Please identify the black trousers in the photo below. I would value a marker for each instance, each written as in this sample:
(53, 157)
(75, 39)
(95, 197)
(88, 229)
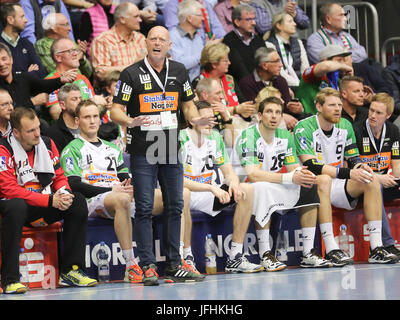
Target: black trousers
(16, 213)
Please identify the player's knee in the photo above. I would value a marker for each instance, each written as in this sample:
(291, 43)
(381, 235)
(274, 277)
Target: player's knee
(186, 196)
(248, 189)
(324, 183)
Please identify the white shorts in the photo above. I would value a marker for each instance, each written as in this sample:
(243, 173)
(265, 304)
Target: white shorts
(97, 210)
(203, 201)
(338, 195)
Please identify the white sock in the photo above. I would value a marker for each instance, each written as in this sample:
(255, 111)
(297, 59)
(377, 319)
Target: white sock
(375, 233)
(263, 241)
(129, 257)
(187, 252)
(327, 235)
(308, 239)
(235, 249)
(181, 249)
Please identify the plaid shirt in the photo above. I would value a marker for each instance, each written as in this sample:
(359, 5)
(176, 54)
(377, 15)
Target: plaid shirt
(111, 50)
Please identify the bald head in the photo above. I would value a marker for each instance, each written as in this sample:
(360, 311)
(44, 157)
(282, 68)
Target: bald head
(158, 44)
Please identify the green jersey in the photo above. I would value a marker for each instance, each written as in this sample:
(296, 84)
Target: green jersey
(97, 165)
(332, 150)
(252, 149)
(199, 162)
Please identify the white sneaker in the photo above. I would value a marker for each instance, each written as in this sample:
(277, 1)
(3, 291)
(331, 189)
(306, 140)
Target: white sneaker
(313, 260)
(270, 263)
(241, 264)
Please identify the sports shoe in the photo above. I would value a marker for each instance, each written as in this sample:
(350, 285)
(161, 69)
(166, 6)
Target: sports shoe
(133, 274)
(270, 263)
(76, 277)
(15, 288)
(188, 264)
(150, 276)
(338, 258)
(181, 274)
(314, 260)
(380, 255)
(241, 264)
(393, 249)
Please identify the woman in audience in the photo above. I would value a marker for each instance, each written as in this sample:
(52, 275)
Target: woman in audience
(290, 48)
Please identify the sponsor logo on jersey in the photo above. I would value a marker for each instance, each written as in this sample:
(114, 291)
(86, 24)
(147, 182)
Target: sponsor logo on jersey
(187, 88)
(303, 142)
(366, 147)
(204, 178)
(69, 164)
(157, 102)
(126, 92)
(146, 80)
(3, 164)
(117, 88)
(395, 148)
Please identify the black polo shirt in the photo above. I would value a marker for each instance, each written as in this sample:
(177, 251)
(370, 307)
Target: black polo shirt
(380, 162)
(140, 93)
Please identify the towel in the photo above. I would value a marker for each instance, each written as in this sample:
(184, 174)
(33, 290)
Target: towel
(43, 169)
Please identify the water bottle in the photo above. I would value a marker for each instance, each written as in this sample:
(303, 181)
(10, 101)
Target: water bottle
(211, 262)
(103, 264)
(281, 249)
(344, 239)
(23, 268)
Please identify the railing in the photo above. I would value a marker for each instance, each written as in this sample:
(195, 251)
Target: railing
(352, 8)
(385, 47)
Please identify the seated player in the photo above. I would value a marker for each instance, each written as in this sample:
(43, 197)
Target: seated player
(94, 168)
(324, 142)
(263, 150)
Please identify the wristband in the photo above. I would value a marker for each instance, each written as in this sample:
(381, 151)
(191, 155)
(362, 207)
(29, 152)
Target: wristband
(343, 173)
(287, 178)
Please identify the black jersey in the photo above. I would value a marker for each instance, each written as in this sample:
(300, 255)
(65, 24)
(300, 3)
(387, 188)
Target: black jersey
(139, 92)
(378, 160)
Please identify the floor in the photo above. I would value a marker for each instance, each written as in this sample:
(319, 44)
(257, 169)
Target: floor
(358, 282)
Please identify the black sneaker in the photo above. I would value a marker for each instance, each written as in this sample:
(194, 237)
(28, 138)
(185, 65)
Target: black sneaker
(393, 249)
(380, 255)
(338, 258)
(181, 274)
(150, 276)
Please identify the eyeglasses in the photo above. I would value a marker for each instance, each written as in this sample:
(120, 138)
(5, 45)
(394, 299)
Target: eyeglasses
(69, 51)
(6, 104)
(274, 61)
(63, 24)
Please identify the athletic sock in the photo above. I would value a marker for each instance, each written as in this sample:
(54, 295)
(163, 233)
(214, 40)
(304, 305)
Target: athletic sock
(187, 252)
(327, 235)
(235, 249)
(129, 257)
(263, 241)
(308, 239)
(375, 233)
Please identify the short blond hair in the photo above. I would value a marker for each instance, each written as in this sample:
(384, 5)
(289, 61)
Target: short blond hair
(326, 92)
(264, 94)
(386, 99)
(213, 53)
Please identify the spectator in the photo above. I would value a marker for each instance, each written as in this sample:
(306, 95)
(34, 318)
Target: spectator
(257, 149)
(122, 45)
(215, 62)
(324, 74)
(223, 10)
(199, 144)
(25, 89)
(391, 75)
(38, 197)
(149, 164)
(291, 49)
(333, 22)
(110, 197)
(66, 56)
(56, 26)
(242, 42)
(65, 129)
(323, 142)
(383, 158)
(187, 42)
(24, 55)
(266, 9)
(212, 27)
(6, 107)
(267, 73)
(96, 20)
(36, 11)
(353, 95)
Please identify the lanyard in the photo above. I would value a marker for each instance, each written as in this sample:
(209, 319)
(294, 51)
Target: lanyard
(155, 76)
(372, 138)
(287, 59)
(327, 39)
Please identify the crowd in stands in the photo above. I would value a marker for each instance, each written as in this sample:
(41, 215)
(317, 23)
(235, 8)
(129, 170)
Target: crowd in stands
(277, 102)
